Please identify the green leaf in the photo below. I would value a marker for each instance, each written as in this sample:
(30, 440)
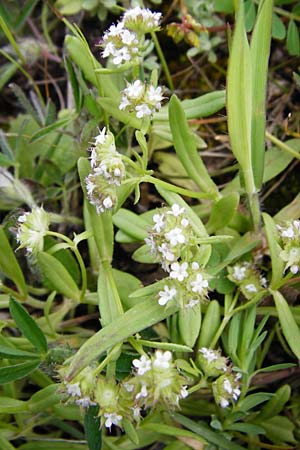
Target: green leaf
(16, 372)
(54, 126)
(5, 444)
(189, 323)
(10, 266)
(141, 316)
(28, 326)
(56, 273)
(275, 249)
(210, 325)
(112, 107)
(143, 255)
(207, 433)
(279, 429)
(253, 400)
(92, 428)
(101, 225)
(11, 405)
(186, 149)
(131, 223)
(246, 428)
(288, 323)
(239, 99)
(110, 305)
(14, 353)
(293, 39)
(275, 405)
(260, 50)
(222, 212)
(130, 431)
(278, 28)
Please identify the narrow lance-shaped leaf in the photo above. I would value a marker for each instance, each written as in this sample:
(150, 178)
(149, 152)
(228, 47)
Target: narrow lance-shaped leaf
(185, 147)
(260, 51)
(9, 264)
(110, 305)
(59, 277)
(288, 323)
(28, 326)
(16, 372)
(239, 99)
(141, 316)
(102, 225)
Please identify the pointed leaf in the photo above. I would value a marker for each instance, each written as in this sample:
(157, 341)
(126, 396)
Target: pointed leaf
(16, 372)
(92, 428)
(28, 326)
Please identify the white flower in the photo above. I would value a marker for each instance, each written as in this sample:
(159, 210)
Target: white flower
(150, 241)
(294, 269)
(176, 210)
(107, 203)
(179, 271)
(85, 402)
(227, 386)
(32, 229)
(195, 265)
(251, 288)
(166, 295)
(200, 284)
(239, 272)
(166, 252)
(236, 393)
(134, 90)
(142, 110)
(142, 365)
(193, 302)
(73, 390)
(112, 419)
(159, 222)
(162, 359)
(136, 412)
(224, 403)
(101, 138)
(115, 30)
(143, 393)
(128, 387)
(184, 223)
(209, 354)
(184, 392)
(288, 233)
(175, 236)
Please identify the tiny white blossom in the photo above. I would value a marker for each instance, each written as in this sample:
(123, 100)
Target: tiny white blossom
(136, 412)
(112, 419)
(294, 269)
(184, 222)
(142, 365)
(193, 302)
(85, 402)
(239, 272)
(142, 110)
(179, 271)
(73, 390)
(159, 221)
(175, 236)
(166, 252)
(107, 203)
(227, 386)
(128, 387)
(176, 210)
(183, 392)
(236, 393)
(200, 284)
(162, 359)
(143, 393)
(195, 265)
(101, 138)
(209, 354)
(166, 295)
(251, 288)
(288, 233)
(224, 403)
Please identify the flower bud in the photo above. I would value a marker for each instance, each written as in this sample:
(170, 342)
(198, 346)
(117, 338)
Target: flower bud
(211, 362)
(226, 389)
(33, 226)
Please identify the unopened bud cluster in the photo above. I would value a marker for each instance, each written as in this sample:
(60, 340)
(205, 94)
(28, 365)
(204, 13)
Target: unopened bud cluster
(156, 381)
(108, 172)
(290, 237)
(245, 275)
(173, 242)
(226, 386)
(32, 227)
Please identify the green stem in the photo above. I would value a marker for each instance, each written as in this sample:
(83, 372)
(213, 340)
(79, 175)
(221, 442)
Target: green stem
(252, 199)
(288, 14)
(282, 145)
(76, 252)
(163, 61)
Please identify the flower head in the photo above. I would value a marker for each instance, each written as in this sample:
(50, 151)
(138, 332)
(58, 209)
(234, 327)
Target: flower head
(166, 295)
(143, 99)
(141, 19)
(142, 365)
(33, 226)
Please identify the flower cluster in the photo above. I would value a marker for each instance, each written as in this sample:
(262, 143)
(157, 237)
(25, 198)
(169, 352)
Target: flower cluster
(143, 99)
(155, 381)
(226, 387)
(172, 241)
(33, 226)
(290, 237)
(245, 276)
(124, 42)
(108, 172)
